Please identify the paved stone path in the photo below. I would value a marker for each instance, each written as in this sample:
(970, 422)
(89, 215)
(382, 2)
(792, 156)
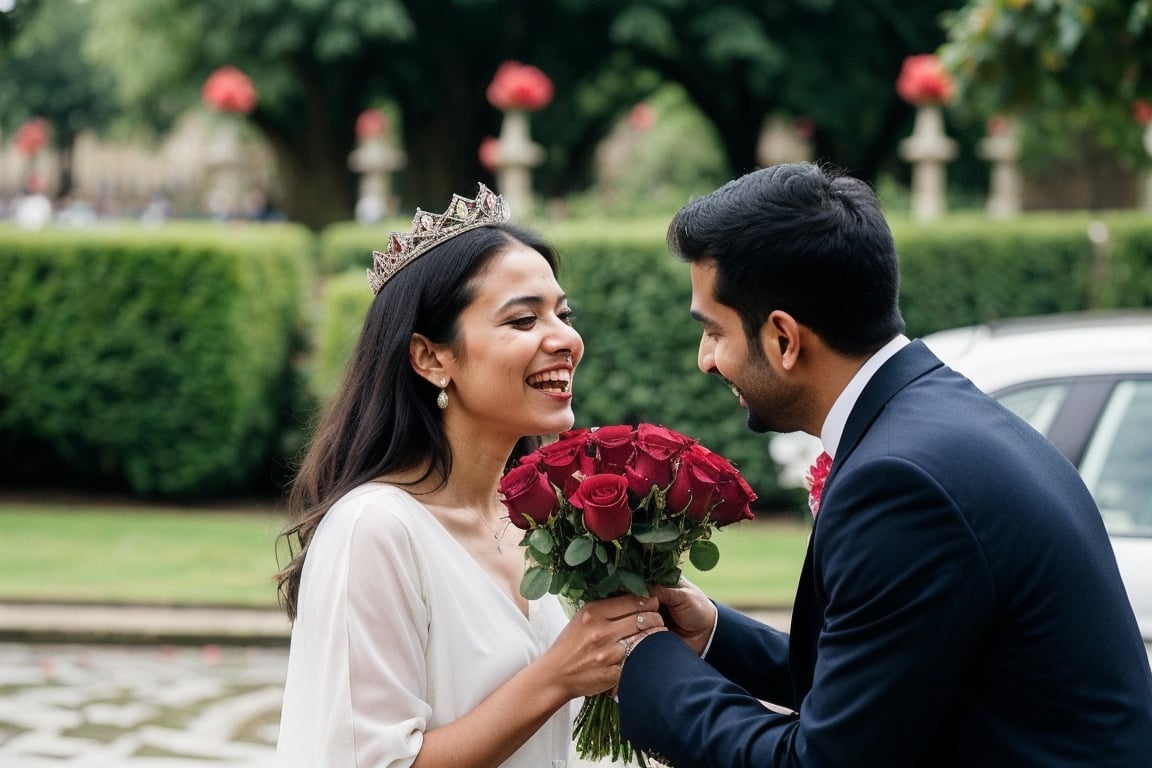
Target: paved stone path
(139, 706)
(144, 706)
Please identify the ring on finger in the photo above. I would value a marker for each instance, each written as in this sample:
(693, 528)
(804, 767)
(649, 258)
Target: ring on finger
(640, 620)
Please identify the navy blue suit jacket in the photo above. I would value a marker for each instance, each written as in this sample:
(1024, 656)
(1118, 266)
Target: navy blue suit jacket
(959, 605)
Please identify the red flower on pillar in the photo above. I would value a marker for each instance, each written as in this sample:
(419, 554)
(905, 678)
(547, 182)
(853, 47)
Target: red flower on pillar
(31, 137)
(1142, 112)
(924, 81)
(642, 117)
(517, 86)
(229, 90)
(371, 124)
(490, 153)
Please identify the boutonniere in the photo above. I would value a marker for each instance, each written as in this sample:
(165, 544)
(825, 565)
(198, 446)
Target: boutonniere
(814, 480)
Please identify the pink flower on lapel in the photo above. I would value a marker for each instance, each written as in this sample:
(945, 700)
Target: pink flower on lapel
(814, 480)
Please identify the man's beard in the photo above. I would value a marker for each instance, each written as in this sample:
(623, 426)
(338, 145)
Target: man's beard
(755, 423)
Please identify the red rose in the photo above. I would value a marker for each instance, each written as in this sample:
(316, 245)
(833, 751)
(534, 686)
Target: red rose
(528, 495)
(656, 452)
(566, 461)
(732, 494)
(614, 448)
(517, 86)
(923, 80)
(229, 90)
(604, 499)
(691, 491)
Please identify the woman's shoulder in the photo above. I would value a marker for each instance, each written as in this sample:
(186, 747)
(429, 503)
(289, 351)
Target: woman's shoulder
(376, 507)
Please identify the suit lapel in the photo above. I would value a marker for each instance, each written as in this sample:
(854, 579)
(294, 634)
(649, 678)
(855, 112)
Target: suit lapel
(907, 365)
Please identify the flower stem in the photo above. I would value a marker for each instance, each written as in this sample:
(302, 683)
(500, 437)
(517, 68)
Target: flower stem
(597, 730)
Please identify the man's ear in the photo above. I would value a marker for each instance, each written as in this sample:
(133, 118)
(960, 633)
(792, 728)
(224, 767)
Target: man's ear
(780, 339)
(427, 358)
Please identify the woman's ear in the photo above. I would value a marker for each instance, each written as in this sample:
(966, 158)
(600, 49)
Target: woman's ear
(780, 339)
(427, 358)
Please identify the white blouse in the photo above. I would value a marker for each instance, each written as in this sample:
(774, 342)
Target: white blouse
(399, 631)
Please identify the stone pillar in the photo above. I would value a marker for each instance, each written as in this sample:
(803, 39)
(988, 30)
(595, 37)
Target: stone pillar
(1002, 149)
(784, 141)
(518, 156)
(1147, 179)
(375, 160)
(224, 163)
(929, 150)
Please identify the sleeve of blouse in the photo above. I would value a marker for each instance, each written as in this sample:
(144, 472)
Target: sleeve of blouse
(386, 622)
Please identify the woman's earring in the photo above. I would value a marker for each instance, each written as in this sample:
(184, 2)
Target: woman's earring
(442, 398)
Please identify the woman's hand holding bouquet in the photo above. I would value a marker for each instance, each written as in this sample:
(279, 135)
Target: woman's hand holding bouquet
(613, 510)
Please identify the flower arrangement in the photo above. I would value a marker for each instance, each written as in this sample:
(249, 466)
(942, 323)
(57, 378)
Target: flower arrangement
(519, 87)
(372, 123)
(489, 153)
(228, 89)
(923, 81)
(613, 510)
(815, 478)
(31, 136)
(1142, 112)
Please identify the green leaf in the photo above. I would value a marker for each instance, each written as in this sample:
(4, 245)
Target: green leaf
(601, 553)
(609, 585)
(535, 583)
(662, 534)
(579, 551)
(704, 555)
(540, 540)
(633, 583)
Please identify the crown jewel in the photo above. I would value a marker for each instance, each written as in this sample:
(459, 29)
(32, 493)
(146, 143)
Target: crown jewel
(429, 230)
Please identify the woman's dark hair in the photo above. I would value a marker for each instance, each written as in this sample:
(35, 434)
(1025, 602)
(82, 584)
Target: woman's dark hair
(384, 419)
(804, 239)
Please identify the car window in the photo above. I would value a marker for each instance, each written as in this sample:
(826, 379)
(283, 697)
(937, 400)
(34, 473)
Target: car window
(1117, 465)
(1037, 405)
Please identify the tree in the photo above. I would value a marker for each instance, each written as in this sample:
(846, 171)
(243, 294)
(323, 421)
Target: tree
(317, 64)
(1071, 70)
(44, 75)
(835, 61)
(1053, 55)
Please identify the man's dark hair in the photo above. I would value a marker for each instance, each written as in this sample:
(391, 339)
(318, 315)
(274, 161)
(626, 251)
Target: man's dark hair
(804, 239)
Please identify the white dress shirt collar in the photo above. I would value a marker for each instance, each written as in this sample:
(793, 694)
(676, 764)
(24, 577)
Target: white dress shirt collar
(837, 418)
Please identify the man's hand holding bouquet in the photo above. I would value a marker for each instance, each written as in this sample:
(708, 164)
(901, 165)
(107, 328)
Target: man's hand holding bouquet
(614, 510)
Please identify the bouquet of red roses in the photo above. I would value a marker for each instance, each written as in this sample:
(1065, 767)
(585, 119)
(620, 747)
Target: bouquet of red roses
(612, 510)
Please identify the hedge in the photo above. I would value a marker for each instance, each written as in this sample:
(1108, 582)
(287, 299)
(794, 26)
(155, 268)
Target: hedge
(969, 269)
(154, 358)
(170, 360)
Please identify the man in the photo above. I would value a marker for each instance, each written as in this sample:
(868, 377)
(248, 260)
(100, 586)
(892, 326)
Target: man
(959, 605)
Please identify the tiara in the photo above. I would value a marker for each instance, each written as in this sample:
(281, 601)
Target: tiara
(429, 230)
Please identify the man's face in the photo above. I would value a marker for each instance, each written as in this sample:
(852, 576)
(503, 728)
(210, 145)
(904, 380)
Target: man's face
(765, 392)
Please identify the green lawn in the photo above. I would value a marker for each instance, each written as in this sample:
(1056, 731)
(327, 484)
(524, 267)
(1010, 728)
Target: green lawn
(175, 556)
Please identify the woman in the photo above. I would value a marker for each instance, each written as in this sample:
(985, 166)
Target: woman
(411, 644)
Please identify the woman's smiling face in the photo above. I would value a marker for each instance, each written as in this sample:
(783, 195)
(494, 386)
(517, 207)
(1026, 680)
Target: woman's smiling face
(517, 349)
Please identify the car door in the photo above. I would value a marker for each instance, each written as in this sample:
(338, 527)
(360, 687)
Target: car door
(1103, 424)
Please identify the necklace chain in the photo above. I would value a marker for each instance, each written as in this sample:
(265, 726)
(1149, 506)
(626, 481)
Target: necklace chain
(499, 537)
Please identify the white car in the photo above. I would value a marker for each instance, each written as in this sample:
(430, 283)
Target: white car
(1085, 381)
